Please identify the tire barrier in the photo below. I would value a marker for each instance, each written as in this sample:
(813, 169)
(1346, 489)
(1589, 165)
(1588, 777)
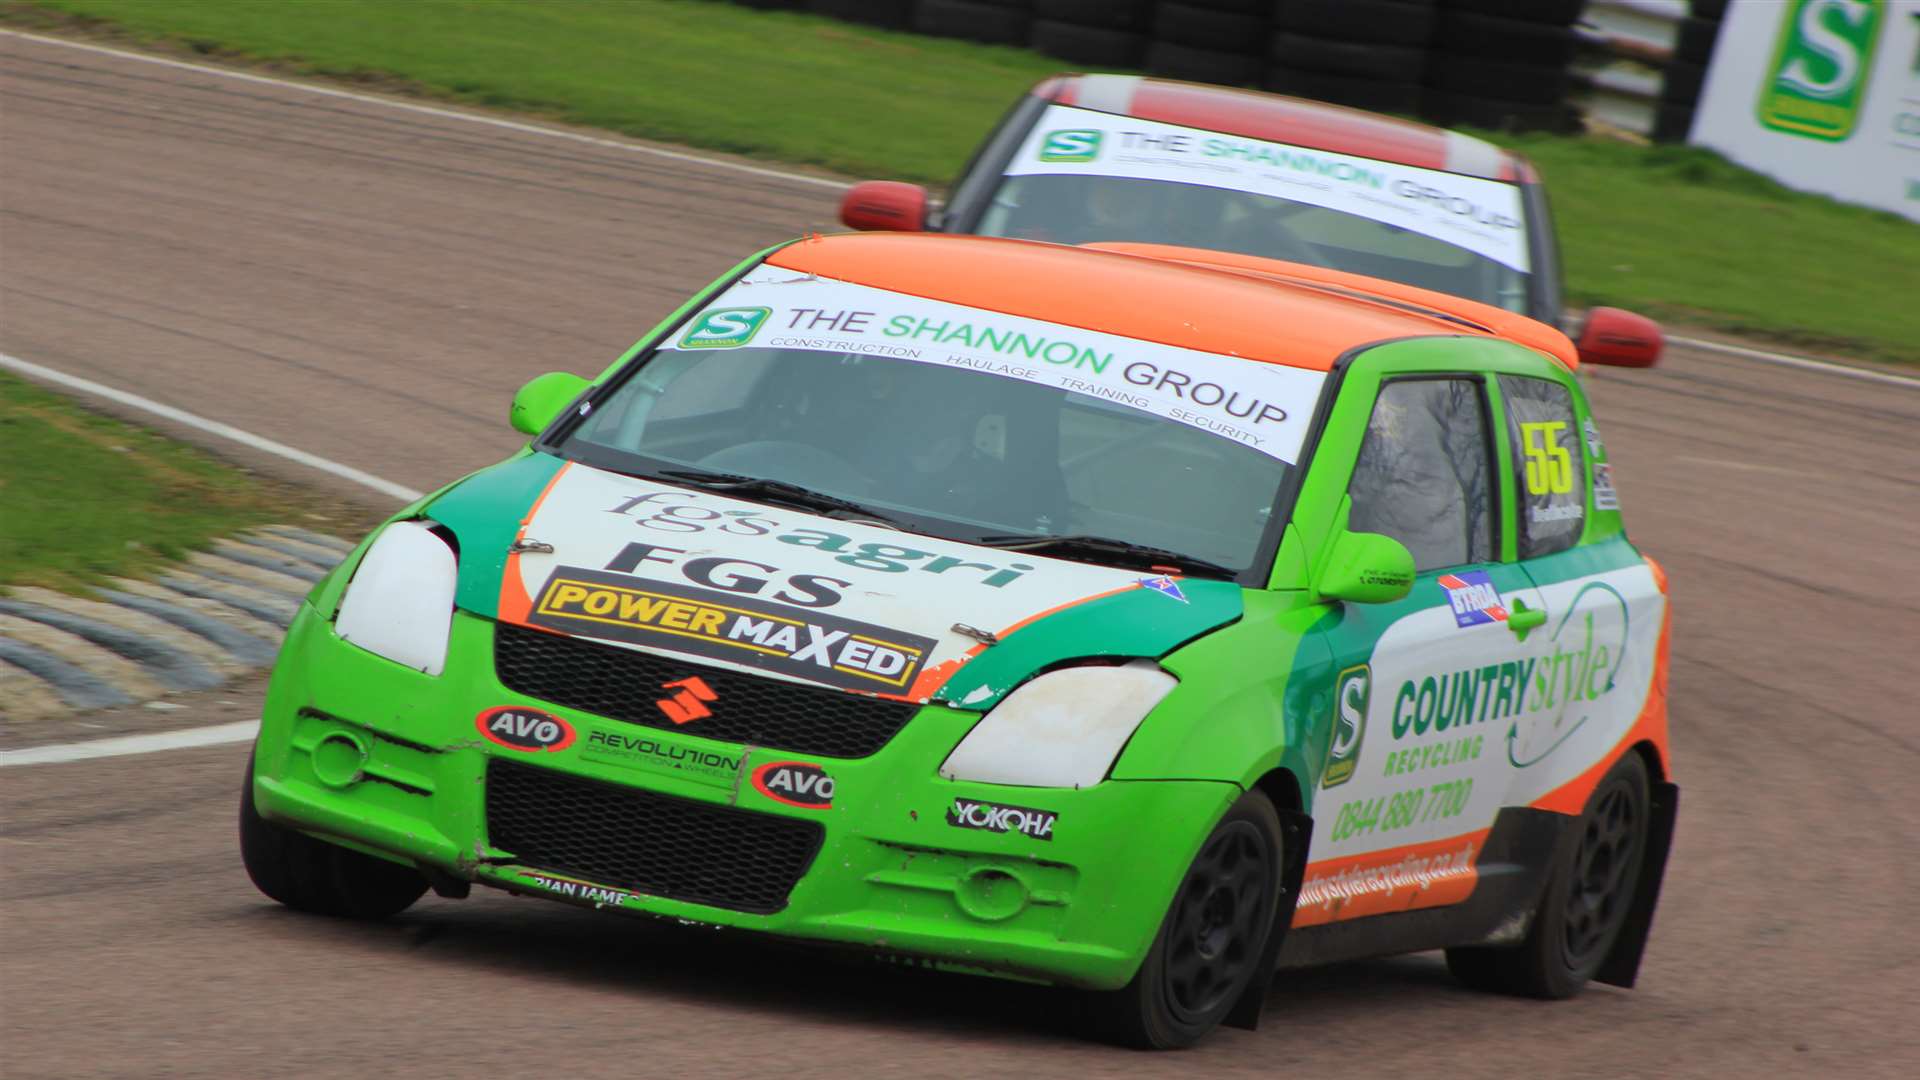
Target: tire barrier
(216, 616)
(1501, 64)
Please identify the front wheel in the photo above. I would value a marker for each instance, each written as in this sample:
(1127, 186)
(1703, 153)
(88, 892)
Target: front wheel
(1587, 898)
(312, 875)
(1213, 940)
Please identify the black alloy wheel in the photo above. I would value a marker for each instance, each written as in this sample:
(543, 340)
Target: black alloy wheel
(1213, 941)
(1586, 901)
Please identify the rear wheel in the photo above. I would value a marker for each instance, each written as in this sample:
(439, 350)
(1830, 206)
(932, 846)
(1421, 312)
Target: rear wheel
(1586, 902)
(312, 875)
(1213, 939)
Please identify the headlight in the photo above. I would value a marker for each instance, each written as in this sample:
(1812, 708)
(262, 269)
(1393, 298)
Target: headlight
(1063, 729)
(400, 602)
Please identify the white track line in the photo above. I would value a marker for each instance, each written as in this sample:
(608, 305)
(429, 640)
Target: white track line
(211, 427)
(447, 114)
(1802, 362)
(216, 735)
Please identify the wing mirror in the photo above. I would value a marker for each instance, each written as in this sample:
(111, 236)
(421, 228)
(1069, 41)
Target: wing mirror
(887, 205)
(1620, 339)
(544, 398)
(1367, 568)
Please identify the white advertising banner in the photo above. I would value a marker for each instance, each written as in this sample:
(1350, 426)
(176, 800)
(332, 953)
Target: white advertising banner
(1482, 216)
(1264, 406)
(1822, 95)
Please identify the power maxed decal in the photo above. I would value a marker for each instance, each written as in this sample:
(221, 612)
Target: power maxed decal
(811, 645)
(527, 730)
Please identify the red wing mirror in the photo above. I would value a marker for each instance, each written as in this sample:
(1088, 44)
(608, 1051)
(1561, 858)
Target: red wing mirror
(1620, 339)
(885, 205)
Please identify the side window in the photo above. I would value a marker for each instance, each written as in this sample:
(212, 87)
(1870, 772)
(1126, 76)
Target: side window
(1546, 460)
(1424, 471)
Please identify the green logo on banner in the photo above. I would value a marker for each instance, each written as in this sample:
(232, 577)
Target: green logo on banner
(1077, 144)
(725, 328)
(1351, 693)
(1818, 77)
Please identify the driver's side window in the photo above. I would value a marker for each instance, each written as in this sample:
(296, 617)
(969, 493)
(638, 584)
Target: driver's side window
(1424, 475)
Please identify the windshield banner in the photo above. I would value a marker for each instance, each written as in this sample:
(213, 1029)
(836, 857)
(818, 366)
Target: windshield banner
(1482, 216)
(1264, 406)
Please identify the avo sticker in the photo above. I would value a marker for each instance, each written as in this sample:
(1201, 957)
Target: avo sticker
(796, 783)
(531, 731)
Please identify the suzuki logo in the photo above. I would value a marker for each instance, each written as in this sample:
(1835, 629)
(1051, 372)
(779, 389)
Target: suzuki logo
(690, 703)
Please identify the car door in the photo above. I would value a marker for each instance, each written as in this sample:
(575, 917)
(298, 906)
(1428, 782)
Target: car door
(1593, 660)
(1414, 772)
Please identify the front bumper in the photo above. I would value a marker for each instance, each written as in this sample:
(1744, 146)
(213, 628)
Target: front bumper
(360, 750)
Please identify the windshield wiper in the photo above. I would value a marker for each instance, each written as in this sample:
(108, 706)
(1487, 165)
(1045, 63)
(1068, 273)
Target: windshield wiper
(1106, 547)
(779, 492)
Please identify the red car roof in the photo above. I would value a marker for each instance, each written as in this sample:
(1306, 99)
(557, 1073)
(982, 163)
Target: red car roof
(1288, 120)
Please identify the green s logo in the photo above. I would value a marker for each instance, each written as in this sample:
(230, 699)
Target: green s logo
(1071, 145)
(1819, 73)
(724, 328)
(1351, 693)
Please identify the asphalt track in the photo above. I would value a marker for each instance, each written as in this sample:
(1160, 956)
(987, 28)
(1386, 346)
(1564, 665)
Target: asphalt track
(371, 286)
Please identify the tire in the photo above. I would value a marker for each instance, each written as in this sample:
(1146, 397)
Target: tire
(1374, 95)
(1673, 123)
(1547, 12)
(1708, 9)
(314, 876)
(1089, 45)
(892, 14)
(1387, 22)
(1497, 80)
(1467, 110)
(1682, 82)
(973, 20)
(1243, 7)
(1696, 41)
(1220, 31)
(1134, 15)
(1173, 61)
(1356, 59)
(1586, 900)
(1513, 40)
(1212, 940)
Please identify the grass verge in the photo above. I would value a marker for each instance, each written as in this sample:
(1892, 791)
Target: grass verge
(1676, 232)
(86, 497)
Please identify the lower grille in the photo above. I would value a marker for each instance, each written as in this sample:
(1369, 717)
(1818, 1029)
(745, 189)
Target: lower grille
(646, 842)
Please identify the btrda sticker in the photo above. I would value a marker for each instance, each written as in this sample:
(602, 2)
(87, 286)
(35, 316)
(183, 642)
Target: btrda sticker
(993, 817)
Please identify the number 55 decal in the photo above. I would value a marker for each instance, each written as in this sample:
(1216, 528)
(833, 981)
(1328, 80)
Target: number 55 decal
(1549, 465)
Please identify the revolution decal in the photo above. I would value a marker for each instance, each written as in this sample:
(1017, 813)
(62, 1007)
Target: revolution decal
(1482, 216)
(1263, 406)
(637, 748)
(780, 592)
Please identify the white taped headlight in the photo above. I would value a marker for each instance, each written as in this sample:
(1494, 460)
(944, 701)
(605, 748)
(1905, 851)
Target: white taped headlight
(1063, 729)
(400, 602)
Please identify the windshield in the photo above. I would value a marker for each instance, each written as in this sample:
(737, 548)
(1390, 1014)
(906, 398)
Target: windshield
(956, 422)
(1085, 177)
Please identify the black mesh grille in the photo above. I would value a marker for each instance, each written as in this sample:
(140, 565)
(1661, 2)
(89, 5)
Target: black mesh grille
(647, 842)
(625, 685)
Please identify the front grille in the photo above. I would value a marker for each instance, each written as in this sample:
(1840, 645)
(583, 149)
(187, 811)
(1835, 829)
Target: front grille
(647, 842)
(627, 685)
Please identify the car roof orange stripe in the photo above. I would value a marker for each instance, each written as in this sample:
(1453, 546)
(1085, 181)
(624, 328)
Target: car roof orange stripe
(1173, 298)
(1507, 324)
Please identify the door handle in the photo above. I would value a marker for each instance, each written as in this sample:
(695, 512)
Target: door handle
(1522, 620)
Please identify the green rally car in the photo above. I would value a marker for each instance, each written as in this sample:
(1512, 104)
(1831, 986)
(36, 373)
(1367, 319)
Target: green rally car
(1139, 620)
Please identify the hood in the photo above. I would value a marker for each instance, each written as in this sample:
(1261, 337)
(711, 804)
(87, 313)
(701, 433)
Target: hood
(794, 595)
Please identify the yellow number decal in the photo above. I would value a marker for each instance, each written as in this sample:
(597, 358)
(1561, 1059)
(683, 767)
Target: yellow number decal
(1549, 465)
